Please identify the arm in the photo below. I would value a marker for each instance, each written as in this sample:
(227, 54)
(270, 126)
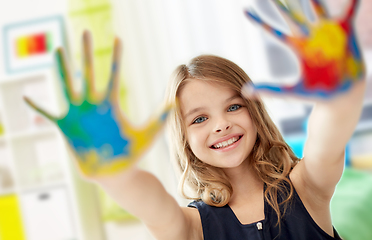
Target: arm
(107, 147)
(142, 194)
(331, 124)
(333, 78)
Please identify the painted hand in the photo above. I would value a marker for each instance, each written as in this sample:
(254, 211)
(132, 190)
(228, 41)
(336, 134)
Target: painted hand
(101, 138)
(327, 50)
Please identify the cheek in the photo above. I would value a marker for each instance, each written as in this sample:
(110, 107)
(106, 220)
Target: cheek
(197, 141)
(251, 123)
(194, 139)
(250, 127)
(252, 135)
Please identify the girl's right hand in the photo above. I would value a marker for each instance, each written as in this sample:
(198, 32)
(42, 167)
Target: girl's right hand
(327, 49)
(101, 138)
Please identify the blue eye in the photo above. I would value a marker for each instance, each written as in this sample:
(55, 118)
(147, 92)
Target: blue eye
(199, 120)
(234, 107)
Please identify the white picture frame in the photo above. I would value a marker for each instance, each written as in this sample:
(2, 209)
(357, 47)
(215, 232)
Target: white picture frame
(51, 29)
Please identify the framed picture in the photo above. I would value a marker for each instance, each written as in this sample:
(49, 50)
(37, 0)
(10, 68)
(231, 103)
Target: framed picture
(31, 44)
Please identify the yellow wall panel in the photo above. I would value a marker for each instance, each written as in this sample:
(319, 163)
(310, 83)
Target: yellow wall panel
(10, 219)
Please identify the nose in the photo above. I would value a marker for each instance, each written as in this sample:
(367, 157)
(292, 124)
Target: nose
(222, 125)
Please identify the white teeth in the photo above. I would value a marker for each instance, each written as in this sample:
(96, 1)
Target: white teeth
(225, 143)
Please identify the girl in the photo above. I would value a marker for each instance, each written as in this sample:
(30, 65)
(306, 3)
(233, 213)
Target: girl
(245, 180)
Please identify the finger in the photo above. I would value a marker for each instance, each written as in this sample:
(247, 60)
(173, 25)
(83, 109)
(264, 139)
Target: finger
(275, 32)
(265, 90)
(156, 123)
(294, 16)
(253, 90)
(142, 138)
(65, 76)
(298, 91)
(350, 13)
(113, 86)
(39, 110)
(353, 48)
(320, 9)
(89, 88)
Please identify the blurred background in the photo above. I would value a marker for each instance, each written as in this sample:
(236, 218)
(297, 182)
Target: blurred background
(41, 195)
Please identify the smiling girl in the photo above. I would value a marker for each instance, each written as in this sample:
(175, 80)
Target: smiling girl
(229, 151)
(245, 181)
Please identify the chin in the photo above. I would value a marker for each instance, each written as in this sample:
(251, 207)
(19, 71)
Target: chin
(235, 163)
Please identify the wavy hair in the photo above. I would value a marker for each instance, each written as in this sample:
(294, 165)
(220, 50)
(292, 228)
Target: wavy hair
(271, 157)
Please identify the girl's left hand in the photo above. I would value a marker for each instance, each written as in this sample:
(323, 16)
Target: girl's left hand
(328, 51)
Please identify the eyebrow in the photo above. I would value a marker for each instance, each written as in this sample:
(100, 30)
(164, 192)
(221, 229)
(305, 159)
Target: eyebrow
(201, 108)
(193, 111)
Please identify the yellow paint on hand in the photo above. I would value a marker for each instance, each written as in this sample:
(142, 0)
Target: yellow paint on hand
(327, 43)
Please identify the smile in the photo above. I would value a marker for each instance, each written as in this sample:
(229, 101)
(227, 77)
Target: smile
(226, 143)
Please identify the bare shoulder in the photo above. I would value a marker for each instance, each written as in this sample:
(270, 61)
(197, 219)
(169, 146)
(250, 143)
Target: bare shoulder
(194, 221)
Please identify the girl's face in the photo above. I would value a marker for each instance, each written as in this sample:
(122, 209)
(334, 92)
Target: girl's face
(218, 126)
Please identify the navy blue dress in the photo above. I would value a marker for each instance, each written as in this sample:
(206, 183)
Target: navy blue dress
(220, 223)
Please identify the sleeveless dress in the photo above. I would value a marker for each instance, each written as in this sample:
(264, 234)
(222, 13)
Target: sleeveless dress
(220, 223)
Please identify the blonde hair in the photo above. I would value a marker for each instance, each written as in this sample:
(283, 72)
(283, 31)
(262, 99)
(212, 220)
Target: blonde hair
(271, 157)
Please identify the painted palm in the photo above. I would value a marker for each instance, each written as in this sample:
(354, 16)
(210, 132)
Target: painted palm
(327, 49)
(103, 141)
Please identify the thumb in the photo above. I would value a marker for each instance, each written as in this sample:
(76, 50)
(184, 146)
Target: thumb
(250, 90)
(156, 122)
(38, 109)
(145, 136)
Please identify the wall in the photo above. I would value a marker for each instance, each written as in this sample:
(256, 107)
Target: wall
(21, 10)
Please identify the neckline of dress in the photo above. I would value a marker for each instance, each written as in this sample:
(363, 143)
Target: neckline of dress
(248, 224)
(253, 223)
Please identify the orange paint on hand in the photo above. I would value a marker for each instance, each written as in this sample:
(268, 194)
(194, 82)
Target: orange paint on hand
(322, 57)
(327, 49)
